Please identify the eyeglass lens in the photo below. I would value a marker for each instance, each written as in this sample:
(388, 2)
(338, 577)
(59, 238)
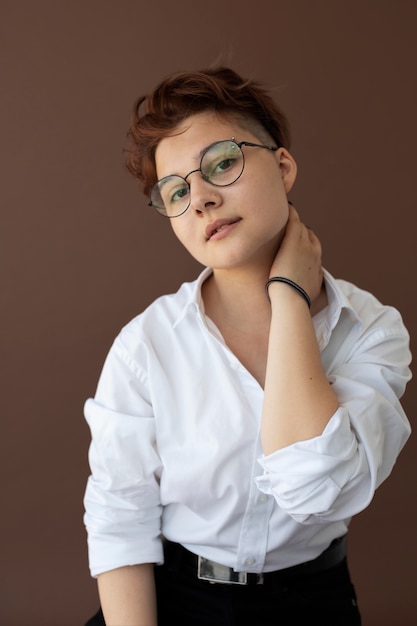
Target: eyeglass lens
(221, 165)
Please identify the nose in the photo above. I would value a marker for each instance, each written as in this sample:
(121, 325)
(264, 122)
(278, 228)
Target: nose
(203, 194)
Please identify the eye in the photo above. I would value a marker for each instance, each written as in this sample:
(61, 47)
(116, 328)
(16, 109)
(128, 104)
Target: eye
(178, 194)
(223, 165)
(221, 162)
(173, 189)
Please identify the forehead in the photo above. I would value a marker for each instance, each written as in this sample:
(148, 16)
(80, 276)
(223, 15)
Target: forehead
(183, 150)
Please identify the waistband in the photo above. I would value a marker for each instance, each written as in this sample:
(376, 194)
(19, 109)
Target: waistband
(205, 569)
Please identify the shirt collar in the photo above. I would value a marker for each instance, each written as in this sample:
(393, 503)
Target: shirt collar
(337, 298)
(325, 321)
(337, 301)
(195, 300)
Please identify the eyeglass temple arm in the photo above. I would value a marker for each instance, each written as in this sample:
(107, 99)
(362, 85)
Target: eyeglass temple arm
(258, 145)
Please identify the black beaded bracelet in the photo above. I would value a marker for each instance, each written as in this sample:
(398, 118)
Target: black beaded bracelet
(291, 283)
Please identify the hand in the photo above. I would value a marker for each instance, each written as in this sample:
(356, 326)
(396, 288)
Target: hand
(299, 256)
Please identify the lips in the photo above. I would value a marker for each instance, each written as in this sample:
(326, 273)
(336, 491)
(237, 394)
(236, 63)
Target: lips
(219, 225)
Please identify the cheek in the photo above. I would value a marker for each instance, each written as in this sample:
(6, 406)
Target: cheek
(274, 205)
(267, 185)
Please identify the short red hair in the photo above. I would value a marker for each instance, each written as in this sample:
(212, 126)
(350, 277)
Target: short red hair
(184, 94)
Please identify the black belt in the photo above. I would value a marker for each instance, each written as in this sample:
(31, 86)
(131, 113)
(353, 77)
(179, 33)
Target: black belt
(204, 569)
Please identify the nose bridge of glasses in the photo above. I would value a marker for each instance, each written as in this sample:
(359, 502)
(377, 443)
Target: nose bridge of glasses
(193, 172)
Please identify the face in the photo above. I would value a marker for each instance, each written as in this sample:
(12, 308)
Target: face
(237, 226)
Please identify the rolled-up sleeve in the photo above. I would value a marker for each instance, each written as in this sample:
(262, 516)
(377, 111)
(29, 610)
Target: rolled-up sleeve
(122, 502)
(334, 476)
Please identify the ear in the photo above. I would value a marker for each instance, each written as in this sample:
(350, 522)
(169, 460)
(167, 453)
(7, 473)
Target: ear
(288, 168)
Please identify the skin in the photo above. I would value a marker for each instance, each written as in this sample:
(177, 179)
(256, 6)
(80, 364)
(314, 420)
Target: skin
(274, 340)
(257, 198)
(127, 596)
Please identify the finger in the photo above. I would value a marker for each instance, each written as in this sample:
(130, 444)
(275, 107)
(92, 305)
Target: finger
(292, 211)
(315, 242)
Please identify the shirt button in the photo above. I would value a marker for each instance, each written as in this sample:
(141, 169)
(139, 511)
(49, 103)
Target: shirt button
(250, 561)
(262, 499)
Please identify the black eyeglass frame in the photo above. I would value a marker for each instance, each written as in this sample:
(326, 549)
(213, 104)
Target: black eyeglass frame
(184, 178)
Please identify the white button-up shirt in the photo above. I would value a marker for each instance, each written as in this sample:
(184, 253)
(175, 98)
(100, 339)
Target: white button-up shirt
(176, 444)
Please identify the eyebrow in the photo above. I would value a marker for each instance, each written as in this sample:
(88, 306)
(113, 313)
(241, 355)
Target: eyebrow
(164, 180)
(199, 156)
(203, 150)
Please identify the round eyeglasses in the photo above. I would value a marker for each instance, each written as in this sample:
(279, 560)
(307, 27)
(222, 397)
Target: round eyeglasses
(221, 164)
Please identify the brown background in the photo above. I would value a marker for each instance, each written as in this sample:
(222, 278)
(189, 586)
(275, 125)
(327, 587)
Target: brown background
(82, 254)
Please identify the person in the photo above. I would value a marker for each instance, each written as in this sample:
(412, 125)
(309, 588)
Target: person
(241, 422)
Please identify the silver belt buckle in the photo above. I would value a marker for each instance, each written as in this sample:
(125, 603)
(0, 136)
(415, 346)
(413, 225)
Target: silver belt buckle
(217, 573)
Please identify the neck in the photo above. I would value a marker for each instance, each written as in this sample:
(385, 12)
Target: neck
(237, 297)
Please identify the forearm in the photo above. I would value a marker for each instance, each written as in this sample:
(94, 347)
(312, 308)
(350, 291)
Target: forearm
(298, 399)
(127, 596)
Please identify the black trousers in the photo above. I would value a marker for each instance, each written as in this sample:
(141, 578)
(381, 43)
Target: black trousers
(326, 598)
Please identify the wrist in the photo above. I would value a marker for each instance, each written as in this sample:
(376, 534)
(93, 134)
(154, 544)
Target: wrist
(290, 284)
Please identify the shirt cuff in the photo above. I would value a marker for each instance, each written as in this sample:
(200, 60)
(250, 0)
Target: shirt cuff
(306, 477)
